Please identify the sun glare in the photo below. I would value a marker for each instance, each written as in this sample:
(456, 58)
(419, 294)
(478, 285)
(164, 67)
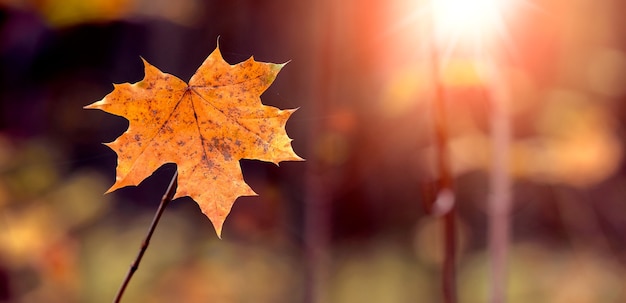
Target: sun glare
(469, 21)
(459, 15)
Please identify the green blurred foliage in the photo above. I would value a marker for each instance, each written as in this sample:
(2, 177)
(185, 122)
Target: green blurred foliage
(538, 274)
(41, 212)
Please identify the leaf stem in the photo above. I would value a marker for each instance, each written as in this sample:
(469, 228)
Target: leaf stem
(167, 197)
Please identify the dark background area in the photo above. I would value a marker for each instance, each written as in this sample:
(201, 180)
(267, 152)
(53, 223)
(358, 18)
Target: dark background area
(359, 74)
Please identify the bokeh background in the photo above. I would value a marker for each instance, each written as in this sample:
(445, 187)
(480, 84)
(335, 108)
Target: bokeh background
(349, 224)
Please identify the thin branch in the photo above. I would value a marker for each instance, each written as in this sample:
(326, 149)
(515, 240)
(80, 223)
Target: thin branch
(167, 197)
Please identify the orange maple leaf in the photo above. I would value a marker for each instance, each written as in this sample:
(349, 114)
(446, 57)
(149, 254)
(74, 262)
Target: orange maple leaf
(205, 127)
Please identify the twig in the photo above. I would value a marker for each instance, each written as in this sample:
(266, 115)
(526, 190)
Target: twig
(167, 197)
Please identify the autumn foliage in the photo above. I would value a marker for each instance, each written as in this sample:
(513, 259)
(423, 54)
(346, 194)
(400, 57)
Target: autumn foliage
(204, 127)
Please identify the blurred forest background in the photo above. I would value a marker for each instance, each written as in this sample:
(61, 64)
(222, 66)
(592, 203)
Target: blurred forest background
(360, 75)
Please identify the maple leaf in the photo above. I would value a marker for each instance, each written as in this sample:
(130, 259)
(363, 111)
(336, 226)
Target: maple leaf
(205, 127)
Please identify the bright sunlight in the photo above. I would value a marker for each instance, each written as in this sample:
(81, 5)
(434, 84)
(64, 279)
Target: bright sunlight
(473, 23)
